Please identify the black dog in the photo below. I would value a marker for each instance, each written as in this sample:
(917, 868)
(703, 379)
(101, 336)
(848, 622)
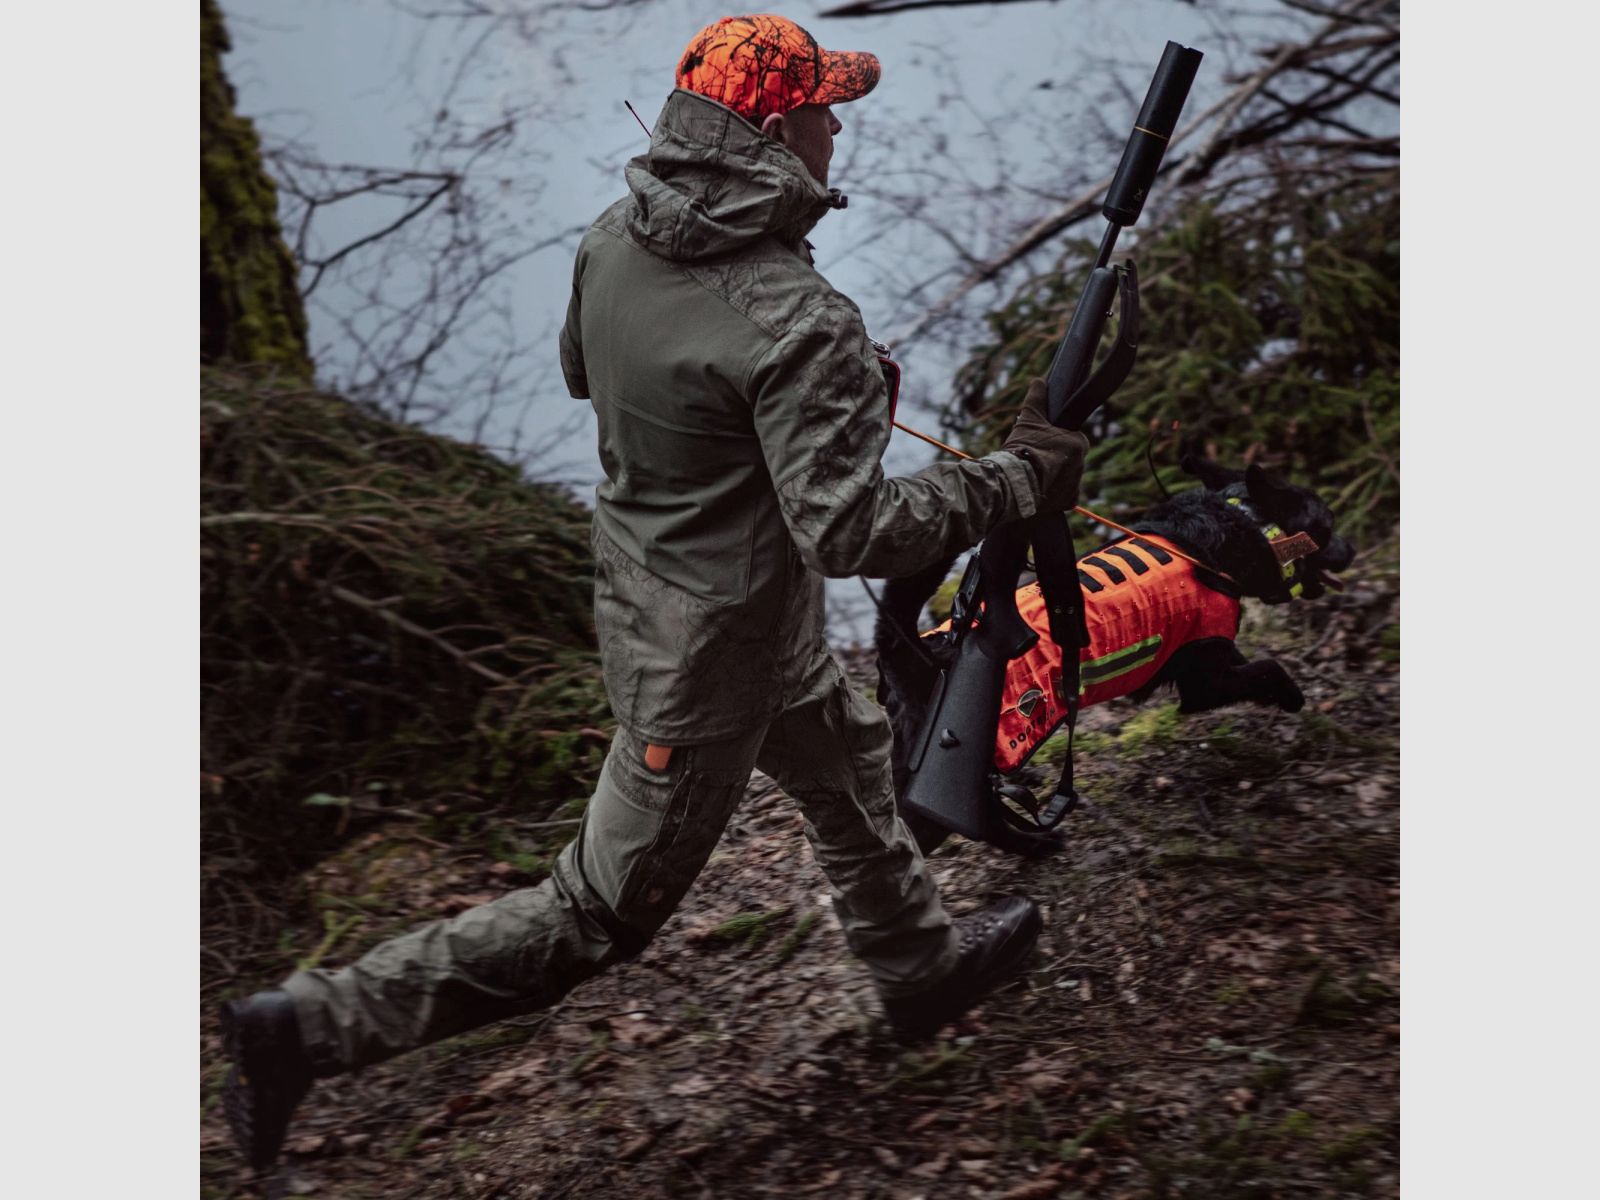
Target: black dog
(1230, 525)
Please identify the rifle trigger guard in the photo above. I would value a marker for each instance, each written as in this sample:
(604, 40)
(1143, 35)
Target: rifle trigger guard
(963, 609)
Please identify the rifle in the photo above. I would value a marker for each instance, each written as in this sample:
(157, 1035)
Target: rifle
(952, 778)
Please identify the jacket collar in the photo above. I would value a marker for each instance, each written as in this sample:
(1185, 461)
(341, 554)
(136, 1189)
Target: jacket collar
(713, 183)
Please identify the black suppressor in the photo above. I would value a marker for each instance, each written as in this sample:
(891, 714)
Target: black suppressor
(1141, 157)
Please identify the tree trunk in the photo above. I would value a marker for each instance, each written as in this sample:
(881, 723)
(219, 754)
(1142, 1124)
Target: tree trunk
(250, 308)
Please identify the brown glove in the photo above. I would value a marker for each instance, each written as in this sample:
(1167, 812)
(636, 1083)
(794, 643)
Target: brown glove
(1055, 454)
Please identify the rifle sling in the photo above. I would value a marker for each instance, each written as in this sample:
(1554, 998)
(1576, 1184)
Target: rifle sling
(1056, 564)
(1054, 556)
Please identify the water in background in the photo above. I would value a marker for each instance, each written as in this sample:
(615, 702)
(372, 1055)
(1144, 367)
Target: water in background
(986, 117)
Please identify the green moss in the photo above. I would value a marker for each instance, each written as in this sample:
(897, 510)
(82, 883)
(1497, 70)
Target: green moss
(1270, 1077)
(1319, 730)
(494, 1037)
(334, 930)
(408, 1143)
(1070, 1148)
(795, 936)
(1086, 743)
(1151, 727)
(694, 1014)
(1296, 1124)
(751, 928)
(597, 1046)
(1186, 852)
(534, 859)
(212, 1078)
(1230, 993)
(1389, 643)
(920, 1071)
(1355, 1144)
(250, 307)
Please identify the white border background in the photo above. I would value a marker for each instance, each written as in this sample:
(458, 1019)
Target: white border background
(99, 479)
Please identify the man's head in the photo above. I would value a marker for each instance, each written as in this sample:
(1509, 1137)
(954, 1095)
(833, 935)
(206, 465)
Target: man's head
(773, 73)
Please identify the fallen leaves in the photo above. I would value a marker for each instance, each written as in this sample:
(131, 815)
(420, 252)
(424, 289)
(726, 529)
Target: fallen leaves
(636, 1146)
(695, 1085)
(1044, 1084)
(925, 1121)
(829, 1181)
(1036, 1189)
(773, 1072)
(637, 1030)
(515, 1079)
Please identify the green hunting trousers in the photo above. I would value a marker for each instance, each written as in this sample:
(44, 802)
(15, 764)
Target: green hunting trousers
(644, 838)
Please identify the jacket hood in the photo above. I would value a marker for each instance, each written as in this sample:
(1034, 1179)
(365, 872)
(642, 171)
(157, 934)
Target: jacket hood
(712, 183)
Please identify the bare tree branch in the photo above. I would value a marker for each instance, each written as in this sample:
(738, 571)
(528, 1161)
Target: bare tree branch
(1312, 81)
(880, 8)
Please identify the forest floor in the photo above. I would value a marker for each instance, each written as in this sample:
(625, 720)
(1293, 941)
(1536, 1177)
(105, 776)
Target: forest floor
(1213, 1010)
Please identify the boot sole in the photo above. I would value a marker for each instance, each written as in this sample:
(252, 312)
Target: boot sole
(243, 1106)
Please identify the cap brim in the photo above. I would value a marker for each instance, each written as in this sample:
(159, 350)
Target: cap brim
(846, 75)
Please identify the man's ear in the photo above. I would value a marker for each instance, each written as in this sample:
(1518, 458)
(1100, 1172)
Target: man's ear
(774, 128)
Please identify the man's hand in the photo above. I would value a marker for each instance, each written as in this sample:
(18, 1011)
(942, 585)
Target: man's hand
(1055, 454)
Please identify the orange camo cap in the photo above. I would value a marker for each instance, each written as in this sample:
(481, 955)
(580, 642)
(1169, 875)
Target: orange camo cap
(766, 64)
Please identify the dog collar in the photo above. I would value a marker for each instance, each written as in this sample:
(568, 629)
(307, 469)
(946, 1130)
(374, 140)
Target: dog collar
(1287, 548)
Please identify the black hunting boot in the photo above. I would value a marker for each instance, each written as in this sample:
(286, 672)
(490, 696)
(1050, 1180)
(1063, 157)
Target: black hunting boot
(995, 942)
(270, 1073)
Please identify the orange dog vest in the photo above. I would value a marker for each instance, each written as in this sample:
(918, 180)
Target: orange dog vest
(1141, 603)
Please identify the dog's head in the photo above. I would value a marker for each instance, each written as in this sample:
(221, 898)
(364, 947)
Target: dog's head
(1293, 509)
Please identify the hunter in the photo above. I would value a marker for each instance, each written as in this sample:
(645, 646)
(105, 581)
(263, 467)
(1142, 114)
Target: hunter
(742, 417)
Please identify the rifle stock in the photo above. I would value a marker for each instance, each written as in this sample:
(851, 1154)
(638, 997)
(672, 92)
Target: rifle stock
(952, 779)
(955, 752)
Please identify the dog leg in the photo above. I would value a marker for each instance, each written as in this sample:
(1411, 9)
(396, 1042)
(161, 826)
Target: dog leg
(1270, 683)
(1212, 673)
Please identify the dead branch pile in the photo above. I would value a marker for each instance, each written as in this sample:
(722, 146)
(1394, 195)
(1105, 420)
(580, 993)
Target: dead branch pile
(391, 620)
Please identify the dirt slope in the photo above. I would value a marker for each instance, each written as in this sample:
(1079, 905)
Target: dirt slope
(1213, 1012)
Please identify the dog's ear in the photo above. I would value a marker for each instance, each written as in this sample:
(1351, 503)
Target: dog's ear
(1267, 492)
(1209, 472)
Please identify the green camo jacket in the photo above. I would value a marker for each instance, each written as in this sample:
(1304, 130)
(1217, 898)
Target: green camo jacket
(742, 419)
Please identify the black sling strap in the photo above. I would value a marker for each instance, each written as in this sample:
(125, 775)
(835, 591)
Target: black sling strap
(1056, 562)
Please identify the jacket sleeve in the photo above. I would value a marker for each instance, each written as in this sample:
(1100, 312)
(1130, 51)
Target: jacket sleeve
(822, 415)
(571, 341)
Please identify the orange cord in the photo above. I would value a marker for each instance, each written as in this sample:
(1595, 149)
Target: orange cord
(1106, 521)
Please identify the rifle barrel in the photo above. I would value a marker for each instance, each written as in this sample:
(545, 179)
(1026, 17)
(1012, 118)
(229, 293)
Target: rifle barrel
(952, 761)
